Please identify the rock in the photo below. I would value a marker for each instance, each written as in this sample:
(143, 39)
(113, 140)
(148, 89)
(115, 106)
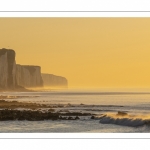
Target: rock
(51, 110)
(27, 115)
(55, 117)
(2, 100)
(70, 118)
(121, 113)
(76, 118)
(92, 117)
(76, 114)
(21, 118)
(64, 118)
(9, 114)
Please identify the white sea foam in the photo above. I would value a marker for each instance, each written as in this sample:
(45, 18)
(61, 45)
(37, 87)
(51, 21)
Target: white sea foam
(132, 121)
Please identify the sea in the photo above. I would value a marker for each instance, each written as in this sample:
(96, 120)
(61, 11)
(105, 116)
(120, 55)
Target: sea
(100, 103)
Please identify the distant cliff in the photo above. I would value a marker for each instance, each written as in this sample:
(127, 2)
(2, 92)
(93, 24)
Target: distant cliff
(7, 68)
(15, 76)
(29, 76)
(54, 81)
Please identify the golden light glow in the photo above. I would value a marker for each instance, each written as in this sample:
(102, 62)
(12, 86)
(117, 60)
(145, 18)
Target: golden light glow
(89, 52)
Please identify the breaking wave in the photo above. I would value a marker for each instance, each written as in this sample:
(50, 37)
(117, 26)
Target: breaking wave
(125, 120)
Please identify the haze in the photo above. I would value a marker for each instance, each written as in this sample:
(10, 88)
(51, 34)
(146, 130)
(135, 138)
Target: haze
(89, 52)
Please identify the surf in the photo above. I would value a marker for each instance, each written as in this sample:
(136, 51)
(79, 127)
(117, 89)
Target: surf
(124, 119)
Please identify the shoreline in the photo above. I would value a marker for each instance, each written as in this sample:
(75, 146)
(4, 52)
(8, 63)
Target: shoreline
(13, 110)
(33, 112)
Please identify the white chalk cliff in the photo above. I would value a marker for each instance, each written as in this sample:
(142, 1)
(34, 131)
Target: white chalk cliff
(14, 76)
(28, 76)
(7, 68)
(54, 81)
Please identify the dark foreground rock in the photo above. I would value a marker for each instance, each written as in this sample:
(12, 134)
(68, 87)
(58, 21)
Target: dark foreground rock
(27, 115)
(9, 114)
(69, 118)
(92, 117)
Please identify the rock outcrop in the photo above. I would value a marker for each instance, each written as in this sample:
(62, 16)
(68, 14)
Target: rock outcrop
(7, 69)
(29, 76)
(51, 80)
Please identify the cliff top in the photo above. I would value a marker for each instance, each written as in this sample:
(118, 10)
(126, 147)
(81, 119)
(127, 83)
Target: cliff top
(28, 65)
(53, 75)
(31, 68)
(4, 50)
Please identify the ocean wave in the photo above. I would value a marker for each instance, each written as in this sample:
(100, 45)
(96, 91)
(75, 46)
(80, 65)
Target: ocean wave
(125, 120)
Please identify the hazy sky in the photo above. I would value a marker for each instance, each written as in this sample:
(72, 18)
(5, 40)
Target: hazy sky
(89, 52)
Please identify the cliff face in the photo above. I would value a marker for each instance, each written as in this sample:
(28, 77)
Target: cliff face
(7, 68)
(54, 81)
(29, 76)
(14, 76)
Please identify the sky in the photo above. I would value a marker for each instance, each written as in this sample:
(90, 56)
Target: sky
(89, 52)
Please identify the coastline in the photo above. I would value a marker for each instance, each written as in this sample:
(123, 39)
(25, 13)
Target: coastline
(14, 110)
(38, 107)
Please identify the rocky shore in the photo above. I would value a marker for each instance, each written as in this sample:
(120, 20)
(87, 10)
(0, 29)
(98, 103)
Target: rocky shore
(30, 115)
(10, 110)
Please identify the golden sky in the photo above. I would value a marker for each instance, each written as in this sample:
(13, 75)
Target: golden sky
(89, 52)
